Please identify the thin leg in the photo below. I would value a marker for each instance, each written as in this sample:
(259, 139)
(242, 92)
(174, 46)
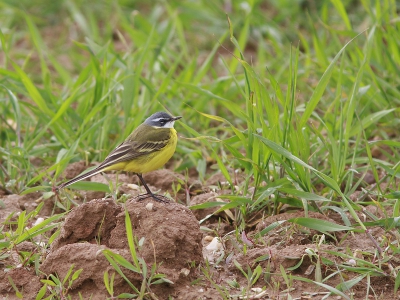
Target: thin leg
(148, 190)
(144, 184)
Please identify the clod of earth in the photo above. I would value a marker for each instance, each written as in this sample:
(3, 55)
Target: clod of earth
(171, 235)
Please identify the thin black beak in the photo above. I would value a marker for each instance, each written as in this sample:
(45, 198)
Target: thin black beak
(176, 118)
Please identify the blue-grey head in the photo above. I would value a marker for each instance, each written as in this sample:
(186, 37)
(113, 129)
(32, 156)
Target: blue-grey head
(161, 120)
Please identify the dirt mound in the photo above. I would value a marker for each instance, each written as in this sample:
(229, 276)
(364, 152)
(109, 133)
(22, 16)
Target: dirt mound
(91, 222)
(23, 279)
(171, 235)
(170, 230)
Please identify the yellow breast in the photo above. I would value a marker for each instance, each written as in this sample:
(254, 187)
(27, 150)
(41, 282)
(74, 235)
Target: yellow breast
(154, 160)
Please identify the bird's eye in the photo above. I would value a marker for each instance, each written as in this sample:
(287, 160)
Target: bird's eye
(162, 122)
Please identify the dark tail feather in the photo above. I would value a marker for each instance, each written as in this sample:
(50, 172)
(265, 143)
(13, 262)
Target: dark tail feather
(81, 177)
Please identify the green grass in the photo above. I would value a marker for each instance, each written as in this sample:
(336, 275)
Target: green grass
(300, 100)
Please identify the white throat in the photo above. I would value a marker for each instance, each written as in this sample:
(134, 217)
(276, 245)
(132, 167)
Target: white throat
(169, 125)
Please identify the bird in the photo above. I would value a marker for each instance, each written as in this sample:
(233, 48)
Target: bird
(146, 149)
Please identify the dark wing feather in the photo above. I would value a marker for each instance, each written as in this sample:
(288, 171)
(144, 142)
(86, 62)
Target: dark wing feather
(129, 150)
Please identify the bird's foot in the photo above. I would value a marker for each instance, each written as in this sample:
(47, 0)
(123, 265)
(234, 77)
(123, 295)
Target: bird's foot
(158, 198)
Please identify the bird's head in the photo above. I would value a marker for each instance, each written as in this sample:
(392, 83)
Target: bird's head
(161, 120)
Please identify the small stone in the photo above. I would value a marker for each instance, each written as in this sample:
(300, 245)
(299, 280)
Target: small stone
(214, 245)
(208, 238)
(185, 272)
(38, 221)
(149, 206)
(133, 186)
(352, 262)
(309, 270)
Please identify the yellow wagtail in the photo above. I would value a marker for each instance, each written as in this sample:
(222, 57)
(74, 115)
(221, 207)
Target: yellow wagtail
(146, 149)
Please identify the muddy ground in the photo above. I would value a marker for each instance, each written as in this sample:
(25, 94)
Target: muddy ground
(171, 238)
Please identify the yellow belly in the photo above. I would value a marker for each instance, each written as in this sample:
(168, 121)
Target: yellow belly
(152, 161)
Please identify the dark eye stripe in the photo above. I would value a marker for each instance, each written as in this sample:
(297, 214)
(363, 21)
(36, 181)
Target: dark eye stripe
(161, 119)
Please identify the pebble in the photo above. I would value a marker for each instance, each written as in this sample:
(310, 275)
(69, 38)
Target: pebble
(214, 245)
(208, 238)
(149, 206)
(185, 272)
(352, 262)
(38, 221)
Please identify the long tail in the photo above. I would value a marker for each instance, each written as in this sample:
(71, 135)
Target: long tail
(95, 171)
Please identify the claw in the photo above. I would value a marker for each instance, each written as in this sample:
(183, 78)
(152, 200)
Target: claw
(158, 199)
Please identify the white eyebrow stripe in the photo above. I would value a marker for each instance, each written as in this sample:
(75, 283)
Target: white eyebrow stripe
(159, 119)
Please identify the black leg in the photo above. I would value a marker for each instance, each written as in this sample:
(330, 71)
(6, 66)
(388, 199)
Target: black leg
(144, 184)
(148, 190)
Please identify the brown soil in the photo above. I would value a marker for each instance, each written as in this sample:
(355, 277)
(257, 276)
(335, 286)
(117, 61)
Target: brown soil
(170, 238)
